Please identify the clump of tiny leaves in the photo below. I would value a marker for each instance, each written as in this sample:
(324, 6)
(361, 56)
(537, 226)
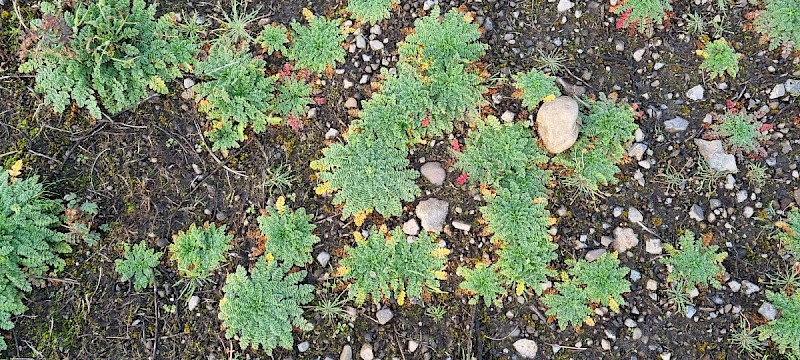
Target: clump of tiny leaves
(785, 330)
(289, 233)
(719, 58)
(30, 243)
(740, 131)
(370, 11)
(199, 250)
(234, 94)
(790, 234)
(644, 14)
(366, 175)
(439, 40)
(495, 149)
(535, 86)
(591, 162)
(105, 52)
(317, 45)
(273, 38)
(137, 264)
(387, 264)
(694, 263)
(602, 281)
(483, 282)
(262, 308)
(780, 20)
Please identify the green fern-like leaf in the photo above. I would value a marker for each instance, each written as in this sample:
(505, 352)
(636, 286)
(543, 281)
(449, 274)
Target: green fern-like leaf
(289, 236)
(294, 96)
(138, 264)
(790, 234)
(273, 38)
(370, 11)
(644, 14)
(780, 20)
(694, 263)
(525, 262)
(483, 281)
(317, 45)
(719, 58)
(784, 331)
(535, 86)
(262, 308)
(495, 150)
(603, 280)
(568, 306)
(516, 216)
(199, 251)
(437, 42)
(740, 131)
(610, 126)
(367, 174)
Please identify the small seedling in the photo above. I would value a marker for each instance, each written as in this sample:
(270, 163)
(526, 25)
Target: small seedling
(482, 281)
(138, 264)
(436, 313)
(719, 58)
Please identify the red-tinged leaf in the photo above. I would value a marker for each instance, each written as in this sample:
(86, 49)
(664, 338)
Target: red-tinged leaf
(730, 105)
(319, 100)
(294, 123)
(765, 127)
(456, 145)
(287, 70)
(462, 179)
(623, 18)
(426, 121)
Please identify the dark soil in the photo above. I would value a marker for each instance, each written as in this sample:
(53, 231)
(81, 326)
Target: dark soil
(151, 174)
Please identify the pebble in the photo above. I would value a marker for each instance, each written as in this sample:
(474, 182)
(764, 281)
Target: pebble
(734, 285)
(777, 91)
(347, 353)
(351, 103)
(193, 302)
(432, 213)
(347, 83)
(384, 316)
(412, 346)
(696, 213)
(637, 334)
(434, 172)
(637, 151)
(676, 124)
(331, 134)
(750, 288)
(411, 227)
(635, 275)
(187, 83)
(303, 346)
(461, 225)
(366, 352)
(690, 311)
(429, 4)
(605, 344)
(695, 93)
(361, 42)
(653, 246)
(508, 116)
(323, 258)
(376, 45)
(624, 239)
(634, 215)
(748, 212)
(638, 54)
(557, 122)
(526, 348)
(716, 156)
(630, 323)
(768, 311)
(651, 285)
(792, 86)
(593, 255)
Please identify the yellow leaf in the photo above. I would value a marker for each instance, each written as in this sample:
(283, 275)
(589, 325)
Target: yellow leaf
(589, 321)
(281, 204)
(613, 305)
(440, 275)
(383, 229)
(702, 53)
(308, 14)
(357, 235)
(341, 271)
(468, 18)
(440, 252)
(269, 258)
(520, 288)
(401, 298)
(16, 169)
(549, 98)
(359, 218)
(323, 188)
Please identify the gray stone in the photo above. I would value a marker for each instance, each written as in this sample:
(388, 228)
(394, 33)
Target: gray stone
(347, 353)
(675, 125)
(323, 258)
(637, 151)
(193, 302)
(508, 116)
(384, 316)
(332, 133)
(653, 246)
(434, 172)
(638, 54)
(461, 225)
(526, 348)
(376, 45)
(429, 4)
(750, 288)
(624, 239)
(792, 86)
(411, 227)
(557, 122)
(432, 213)
(303, 346)
(595, 254)
(690, 311)
(696, 213)
(412, 346)
(187, 83)
(768, 311)
(695, 93)
(734, 285)
(715, 156)
(361, 42)
(634, 215)
(777, 91)
(366, 352)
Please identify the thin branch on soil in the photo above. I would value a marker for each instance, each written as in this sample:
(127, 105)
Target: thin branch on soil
(155, 308)
(399, 346)
(205, 145)
(8, 153)
(504, 337)
(19, 16)
(568, 347)
(44, 156)
(94, 163)
(539, 313)
(66, 281)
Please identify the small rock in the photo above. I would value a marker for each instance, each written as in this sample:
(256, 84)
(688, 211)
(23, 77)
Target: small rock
(638, 54)
(508, 116)
(412, 346)
(193, 302)
(768, 311)
(651, 285)
(366, 352)
(750, 288)
(792, 86)
(434, 172)
(187, 83)
(637, 151)
(564, 5)
(690, 311)
(347, 84)
(630, 323)
(303, 346)
(432, 213)
(384, 316)
(778, 91)
(593, 255)
(332, 133)
(361, 42)
(558, 124)
(411, 227)
(636, 334)
(526, 348)
(653, 246)
(694, 293)
(375, 45)
(351, 103)
(695, 93)
(624, 239)
(634, 215)
(347, 353)
(429, 4)
(635, 275)
(323, 258)
(461, 225)
(716, 157)
(675, 125)
(748, 212)
(605, 344)
(734, 285)
(696, 213)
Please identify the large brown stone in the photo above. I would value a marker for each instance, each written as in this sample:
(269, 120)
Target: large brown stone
(557, 121)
